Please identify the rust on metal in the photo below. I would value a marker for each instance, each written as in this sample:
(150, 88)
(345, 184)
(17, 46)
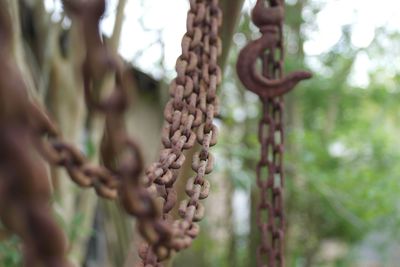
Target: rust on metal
(188, 117)
(270, 22)
(29, 136)
(25, 190)
(270, 85)
(106, 179)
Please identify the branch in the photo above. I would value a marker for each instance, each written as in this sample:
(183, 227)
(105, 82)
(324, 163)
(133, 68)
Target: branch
(119, 19)
(231, 11)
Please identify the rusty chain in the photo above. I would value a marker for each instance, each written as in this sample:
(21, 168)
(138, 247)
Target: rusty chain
(270, 180)
(24, 183)
(189, 116)
(99, 61)
(119, 153)
(270, 86)
(122, 162)
(119, 177)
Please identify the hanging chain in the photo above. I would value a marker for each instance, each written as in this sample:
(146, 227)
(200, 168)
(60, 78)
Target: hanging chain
(99, 61)
(24, 184)
(269, 171)
(197, 187)
(270, 180)
(270, 86)
(34, 131)
(189, 116)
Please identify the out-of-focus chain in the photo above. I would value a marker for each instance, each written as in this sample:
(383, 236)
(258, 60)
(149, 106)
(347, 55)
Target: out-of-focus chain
(270, 180)
(122, 162)
(270, 86)
(61, 153)
(269, 171)
(189, 116)
(98, 63)
(24, 184)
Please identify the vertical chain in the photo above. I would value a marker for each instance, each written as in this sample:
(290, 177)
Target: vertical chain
(189, 116)
(270, 87)
(271, 139)
(25, 189)
(182, 117)
(197, 187)
(270, 180)
(270, 211)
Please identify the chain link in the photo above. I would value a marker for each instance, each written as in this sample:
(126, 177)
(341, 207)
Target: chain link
(270, 87)
(122, 162)
(270, 180)
(98, 62)
(270, 210)
(189, 116)
(24, 184)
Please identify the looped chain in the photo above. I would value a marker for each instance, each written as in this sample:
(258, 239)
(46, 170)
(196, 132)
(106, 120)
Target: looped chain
(106, 180)
(24, 184)
(189, 118)
(117, 177)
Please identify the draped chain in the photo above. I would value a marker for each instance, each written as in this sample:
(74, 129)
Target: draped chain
(25, 190)
(28, 133)
(189, 117)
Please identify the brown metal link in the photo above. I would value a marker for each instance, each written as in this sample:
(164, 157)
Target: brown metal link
(189, 117)
(24, 184)
(99, 61)
(271, 85)
(122, 162)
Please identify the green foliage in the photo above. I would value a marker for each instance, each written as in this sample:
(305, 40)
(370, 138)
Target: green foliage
(10, 252)
(10, 247)
(74, 229)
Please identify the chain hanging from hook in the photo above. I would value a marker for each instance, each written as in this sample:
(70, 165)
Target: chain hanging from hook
(270, 85)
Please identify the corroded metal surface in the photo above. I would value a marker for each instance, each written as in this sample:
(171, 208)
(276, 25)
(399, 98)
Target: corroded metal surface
(25, 190)
(269, 49)
(189, 117)
(28, 136)
(270, 85)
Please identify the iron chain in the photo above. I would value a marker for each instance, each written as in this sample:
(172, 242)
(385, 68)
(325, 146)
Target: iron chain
(270, 87)
(189, 116)
(270, 211)
(24, 184)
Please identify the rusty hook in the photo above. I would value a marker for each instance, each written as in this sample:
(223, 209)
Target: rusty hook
(269, 21)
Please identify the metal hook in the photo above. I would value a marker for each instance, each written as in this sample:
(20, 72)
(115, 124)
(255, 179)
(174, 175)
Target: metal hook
(269, 20)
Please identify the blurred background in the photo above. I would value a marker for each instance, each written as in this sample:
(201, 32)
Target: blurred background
(342, 145)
